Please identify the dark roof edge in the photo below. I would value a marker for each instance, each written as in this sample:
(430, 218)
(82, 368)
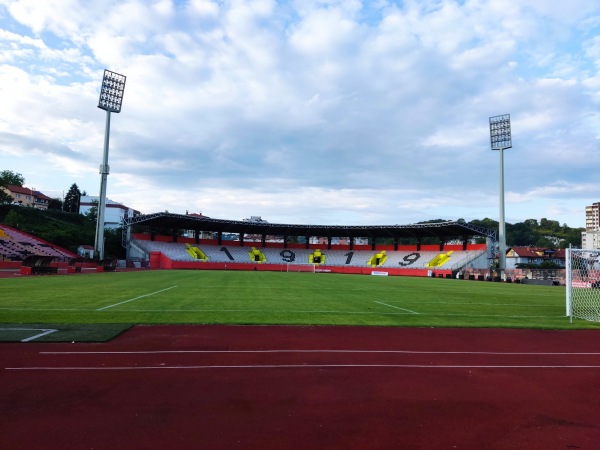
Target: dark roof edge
(181, 221)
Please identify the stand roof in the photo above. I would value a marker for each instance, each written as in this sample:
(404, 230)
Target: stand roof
(442, 230)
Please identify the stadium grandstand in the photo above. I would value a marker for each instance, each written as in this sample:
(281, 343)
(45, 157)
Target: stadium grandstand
(16, 245)
(23, 253)
(156, 240)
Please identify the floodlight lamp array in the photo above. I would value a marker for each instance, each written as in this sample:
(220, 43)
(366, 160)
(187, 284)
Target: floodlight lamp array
(111, 93)
(500, 133)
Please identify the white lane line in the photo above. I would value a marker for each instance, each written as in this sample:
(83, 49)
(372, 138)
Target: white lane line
(135, 298)
(411, 352)
(44, 332)
(397, 307)
(309, 366)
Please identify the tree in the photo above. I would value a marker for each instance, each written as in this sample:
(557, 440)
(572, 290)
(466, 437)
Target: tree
(55, 203)
(5, 197)
(486, 223)
(8, 177)
(544, 242)
(14, 219)
(71, 203)
(520, 234)
(532, 223)
(549, 225)
(113, 247)
(572, 237)
(92, 213)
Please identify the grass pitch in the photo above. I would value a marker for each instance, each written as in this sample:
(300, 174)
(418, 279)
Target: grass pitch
(232, 297)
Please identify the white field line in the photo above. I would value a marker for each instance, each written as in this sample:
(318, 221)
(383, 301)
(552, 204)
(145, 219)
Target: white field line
(45, 309)
(484, 304)
(411, 352)
(397, 307)
(44, 332)
(309, 366)
(135, 298)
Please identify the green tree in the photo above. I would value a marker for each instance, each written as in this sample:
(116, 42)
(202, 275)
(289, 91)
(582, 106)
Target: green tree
(5, 197)
(572, 237)
(14, 219)
(520, 234)
(8, 177)
(113, 247)
(544, 242)
(531, 223)
(71, 203)
(55, 203)
(549, 265)
(486, 223)
(549, 225)
(92, 213)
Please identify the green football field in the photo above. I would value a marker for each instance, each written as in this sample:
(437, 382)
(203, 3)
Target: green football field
(232, 297)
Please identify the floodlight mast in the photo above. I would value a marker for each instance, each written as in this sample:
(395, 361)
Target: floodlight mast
(501, 139)
(111, 98)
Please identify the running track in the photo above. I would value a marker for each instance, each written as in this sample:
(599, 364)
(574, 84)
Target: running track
(224, 387)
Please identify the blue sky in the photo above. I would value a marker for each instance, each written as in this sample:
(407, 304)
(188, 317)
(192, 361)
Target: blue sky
(309, 112)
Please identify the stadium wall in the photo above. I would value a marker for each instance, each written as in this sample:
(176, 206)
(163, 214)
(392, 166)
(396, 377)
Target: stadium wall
(159, 261)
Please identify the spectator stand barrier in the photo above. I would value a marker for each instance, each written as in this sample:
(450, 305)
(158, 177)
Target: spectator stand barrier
(75, 265)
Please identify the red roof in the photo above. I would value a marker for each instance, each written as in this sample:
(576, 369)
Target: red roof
(19, 189)
(27, 191)
(539, 252)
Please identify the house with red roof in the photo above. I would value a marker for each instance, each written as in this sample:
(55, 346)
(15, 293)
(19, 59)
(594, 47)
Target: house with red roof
(534, 255)
(24, 196)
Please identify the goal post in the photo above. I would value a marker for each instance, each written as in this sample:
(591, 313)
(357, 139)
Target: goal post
(583, 284)
(291, 267)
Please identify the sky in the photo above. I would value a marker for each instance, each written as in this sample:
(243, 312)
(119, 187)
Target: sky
(325, 112)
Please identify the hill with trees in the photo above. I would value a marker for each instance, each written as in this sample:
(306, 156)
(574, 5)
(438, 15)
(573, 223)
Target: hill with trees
(545, 233)
(67, 230)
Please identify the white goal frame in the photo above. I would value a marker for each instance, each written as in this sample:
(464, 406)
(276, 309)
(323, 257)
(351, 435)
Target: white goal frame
(583, 284)
(300, 267)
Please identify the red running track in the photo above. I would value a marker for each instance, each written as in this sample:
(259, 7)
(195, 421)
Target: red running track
(260, 387)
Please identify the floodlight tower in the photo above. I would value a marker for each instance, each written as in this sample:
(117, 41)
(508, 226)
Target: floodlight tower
(111, 97)
(500, 136)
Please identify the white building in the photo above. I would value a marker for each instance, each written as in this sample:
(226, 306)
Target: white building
(590, 238)
(115, 212)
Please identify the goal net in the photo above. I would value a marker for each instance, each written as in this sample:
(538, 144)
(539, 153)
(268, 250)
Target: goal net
(300, 267)
(583, 284)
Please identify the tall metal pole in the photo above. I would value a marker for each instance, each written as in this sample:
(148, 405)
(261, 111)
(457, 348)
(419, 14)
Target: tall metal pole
(104, 170)
(502, 224)
(501, 139)
(111, 98)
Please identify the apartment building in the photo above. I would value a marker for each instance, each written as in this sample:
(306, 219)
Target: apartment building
(590, 238)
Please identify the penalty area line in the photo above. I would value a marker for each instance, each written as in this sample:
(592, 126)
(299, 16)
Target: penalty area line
(44, 332)
(135, 298)
(397, 307)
